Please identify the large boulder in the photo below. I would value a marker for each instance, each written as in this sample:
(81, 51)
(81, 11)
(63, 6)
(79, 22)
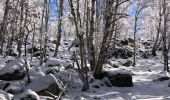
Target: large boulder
(14, 70)
(14, 88)
(46, 83)
(35, 73)
(70, 77)
(120, 79)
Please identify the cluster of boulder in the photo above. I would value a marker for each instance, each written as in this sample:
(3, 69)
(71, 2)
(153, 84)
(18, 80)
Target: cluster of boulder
(13, 75)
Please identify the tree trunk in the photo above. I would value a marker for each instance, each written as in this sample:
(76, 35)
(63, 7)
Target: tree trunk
(59, 27)
(91, 38)
(4, 25)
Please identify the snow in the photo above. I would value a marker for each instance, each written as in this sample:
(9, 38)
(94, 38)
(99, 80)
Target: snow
(31, 93)
(118, 71)
(144, 88)
(5, 96)
(143, 75)
(56, 62)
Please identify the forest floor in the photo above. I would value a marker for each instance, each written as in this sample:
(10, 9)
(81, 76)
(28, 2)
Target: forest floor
(145, 77)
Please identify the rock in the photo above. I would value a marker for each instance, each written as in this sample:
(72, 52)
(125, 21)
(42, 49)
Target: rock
(145, 54)
(29, 95)
(46, 83)
(115, 66)
(14, 70)
(129, 54)
(120, 79)
(35, 73)
(14, 89)
(149, 70)
(70, 66)
(35, 49)
(164, 78)
(54, 41)
(160, 49)
(70, 77)
(128, 63)
(51, 49)
(169, 84)
(52, 70)
(146, 43)
(124, 42)
(121, 53)
(77, 44)
(96, 86)
(36, 54)
(107, 82)
(65, 43)
(131, 40)
(11, 53)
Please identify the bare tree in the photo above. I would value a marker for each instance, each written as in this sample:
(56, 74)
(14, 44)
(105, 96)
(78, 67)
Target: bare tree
(111, 16)
(90, 38)
(158, 35)
(140, 6)
(164, 34)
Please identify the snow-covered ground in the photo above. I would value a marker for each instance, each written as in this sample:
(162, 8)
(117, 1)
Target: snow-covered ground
(143, 75)
(144, 88)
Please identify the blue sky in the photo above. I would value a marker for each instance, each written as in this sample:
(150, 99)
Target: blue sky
(53, 7)
(54, 13)
(133, 10)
